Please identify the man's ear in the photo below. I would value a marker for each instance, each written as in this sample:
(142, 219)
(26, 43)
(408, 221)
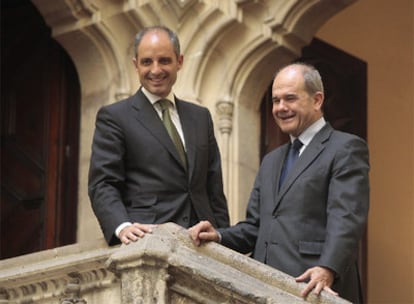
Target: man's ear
(135, 62)
(180, 60)
(318, 98)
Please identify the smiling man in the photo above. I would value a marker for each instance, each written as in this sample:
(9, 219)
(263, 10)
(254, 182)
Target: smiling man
(308, 224)
(154, 157)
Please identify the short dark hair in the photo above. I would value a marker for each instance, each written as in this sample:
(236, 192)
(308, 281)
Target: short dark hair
(171, 34)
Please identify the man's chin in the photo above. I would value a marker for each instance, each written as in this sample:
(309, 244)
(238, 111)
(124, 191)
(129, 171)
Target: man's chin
(288, 126)
(158, 90)
(285, 129)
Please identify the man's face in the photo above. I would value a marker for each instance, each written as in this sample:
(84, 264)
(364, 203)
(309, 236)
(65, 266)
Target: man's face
(156, 63)
(294, 109)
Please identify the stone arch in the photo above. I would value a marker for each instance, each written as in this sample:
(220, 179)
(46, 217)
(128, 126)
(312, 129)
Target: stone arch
(103, 58)
(90, 40)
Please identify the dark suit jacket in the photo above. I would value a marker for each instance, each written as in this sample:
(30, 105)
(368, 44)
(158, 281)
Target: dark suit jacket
(136, 175)
(317, 217)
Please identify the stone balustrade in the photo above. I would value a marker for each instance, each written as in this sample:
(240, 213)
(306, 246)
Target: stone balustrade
(163, 267)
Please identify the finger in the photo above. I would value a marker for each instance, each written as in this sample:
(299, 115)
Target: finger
(204, 225)
(143, 227)
(202, 231)
(125, 240)
(331, 291)
(146, 228)
(317, 290)
(194, 235)
(123, 237)
(134, 232)
(208, 236)
(196, 241)
(303, 277)
(308, 288)
(127, 237)
(194, 231)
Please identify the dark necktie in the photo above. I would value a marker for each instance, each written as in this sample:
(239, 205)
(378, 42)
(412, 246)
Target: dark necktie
(172, 131)
(293, 154)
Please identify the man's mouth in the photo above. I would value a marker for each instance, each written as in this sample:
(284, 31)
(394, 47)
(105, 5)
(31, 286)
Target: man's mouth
(286, 117)
(157, 80)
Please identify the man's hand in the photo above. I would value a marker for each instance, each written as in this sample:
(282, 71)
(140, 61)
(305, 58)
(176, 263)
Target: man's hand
(203, 231)
(134, 232)
(320, 278)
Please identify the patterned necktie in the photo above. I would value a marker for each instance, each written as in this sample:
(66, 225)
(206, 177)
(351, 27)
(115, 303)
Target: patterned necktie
(293, 154)
(172, 131)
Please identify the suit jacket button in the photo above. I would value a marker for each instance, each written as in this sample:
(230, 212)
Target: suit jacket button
(185, 219)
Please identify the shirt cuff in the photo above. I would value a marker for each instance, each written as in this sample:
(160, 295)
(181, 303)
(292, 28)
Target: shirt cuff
(120, 227)
(219, 237)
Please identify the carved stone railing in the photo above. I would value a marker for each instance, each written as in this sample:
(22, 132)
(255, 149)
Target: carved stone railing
(163, 267)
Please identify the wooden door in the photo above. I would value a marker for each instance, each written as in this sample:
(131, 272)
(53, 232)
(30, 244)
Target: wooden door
(39, 135)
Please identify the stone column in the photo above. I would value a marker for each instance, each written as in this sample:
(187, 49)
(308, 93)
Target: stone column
(225, 126)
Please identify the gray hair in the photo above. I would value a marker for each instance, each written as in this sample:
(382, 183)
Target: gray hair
(312, 79)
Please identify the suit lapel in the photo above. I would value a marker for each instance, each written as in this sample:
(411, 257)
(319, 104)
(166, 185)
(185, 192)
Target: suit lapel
(312, 151)
(148, 118)
(277, 168)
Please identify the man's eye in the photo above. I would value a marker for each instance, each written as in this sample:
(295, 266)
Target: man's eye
(165, 60)
(145, 62)
(290, 98)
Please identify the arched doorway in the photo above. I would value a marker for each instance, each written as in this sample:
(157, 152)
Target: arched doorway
(39, 135)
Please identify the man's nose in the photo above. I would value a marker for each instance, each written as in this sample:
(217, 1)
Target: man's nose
(155, 68)
(280, 105)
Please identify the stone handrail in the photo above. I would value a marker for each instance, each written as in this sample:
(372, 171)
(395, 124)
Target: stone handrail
(162, 267)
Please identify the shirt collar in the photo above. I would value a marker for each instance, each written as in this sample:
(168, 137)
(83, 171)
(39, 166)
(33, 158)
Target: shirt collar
(154, 98)
(310, 132)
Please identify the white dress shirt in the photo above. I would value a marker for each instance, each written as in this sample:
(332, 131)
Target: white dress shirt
(309, 133)
(173, 110)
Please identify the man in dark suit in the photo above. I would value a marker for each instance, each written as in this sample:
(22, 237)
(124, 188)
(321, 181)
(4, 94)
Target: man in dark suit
(309, 225)
(140, 174)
